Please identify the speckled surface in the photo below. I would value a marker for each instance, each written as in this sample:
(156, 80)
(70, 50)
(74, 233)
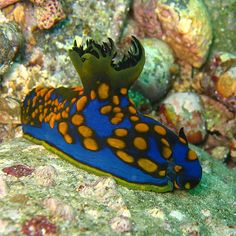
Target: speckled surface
(79, 203)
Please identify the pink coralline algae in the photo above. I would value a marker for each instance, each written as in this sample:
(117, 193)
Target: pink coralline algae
(18, 170)
(185, 27)
(219, 79)
(48, 13)
(184, 110)
(39, 226)
(145, 16)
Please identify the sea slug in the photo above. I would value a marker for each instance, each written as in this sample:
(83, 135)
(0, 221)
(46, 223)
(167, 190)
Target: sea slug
(98, 129)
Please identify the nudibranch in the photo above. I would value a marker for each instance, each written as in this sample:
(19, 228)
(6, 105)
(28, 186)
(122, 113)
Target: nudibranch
(98, 129)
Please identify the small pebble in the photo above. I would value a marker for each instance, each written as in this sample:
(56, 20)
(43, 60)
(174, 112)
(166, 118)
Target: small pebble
(157, 213)
(46, 176)
(3, 187)
(121, 224)
(18, 170)
(59, 209)
(178, 215)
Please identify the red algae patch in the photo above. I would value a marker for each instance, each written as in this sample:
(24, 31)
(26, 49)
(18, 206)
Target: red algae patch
(18, 170)
(38, 226)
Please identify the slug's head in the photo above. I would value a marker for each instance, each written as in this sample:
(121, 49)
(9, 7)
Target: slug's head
(185, 170)
(96, 63)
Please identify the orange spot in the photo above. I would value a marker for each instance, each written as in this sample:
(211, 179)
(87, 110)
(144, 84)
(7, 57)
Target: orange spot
(68, 109)
(85, 131)
(119, 115)
(48, 94)
(116, 109)
(121, 132)
(140, 143)
(123, 91)
(52, 122)
(134, 118)
(78, 88)
(115, 120)
(116, 143)
(165, 142)
(132, 110)
(124, 156)
(41, 116)
(90, 144)
(42, 92)
(68, 138)
(34, 100)
(141, 127)
(160, 130)
(33, 115)
(58, 116)
(73, 100)
(176, 185)
(182, 140)
(115, 100)
(55, 109)
(56, 103)
(40, 108)
(192, 155)
(92, 94)
(162, 172)
(178, 168)
(166, 152)
(38, 88)
(64, 114)
(147, 165)
(106, 109)
(103, 91)
(77, 119)
(81, 103)
(63, 127)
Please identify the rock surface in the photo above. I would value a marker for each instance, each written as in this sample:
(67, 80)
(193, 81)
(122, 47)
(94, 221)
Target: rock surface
(208, 209)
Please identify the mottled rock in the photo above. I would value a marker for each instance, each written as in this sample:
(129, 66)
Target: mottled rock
(155, 79)
(48, 13)
(18, 170)
(184, 110)
(219, 79)
(38, 226)
(5, 3)
(45, 176)
(211, 204)
(184, 25)
(59, 209)
(11, 41)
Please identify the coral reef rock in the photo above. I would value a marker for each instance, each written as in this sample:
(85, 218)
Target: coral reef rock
(11, 41)
(207, 208)
(219, 79)
(5, 3)
(155, 80)
(184, 110)
(48, 13)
